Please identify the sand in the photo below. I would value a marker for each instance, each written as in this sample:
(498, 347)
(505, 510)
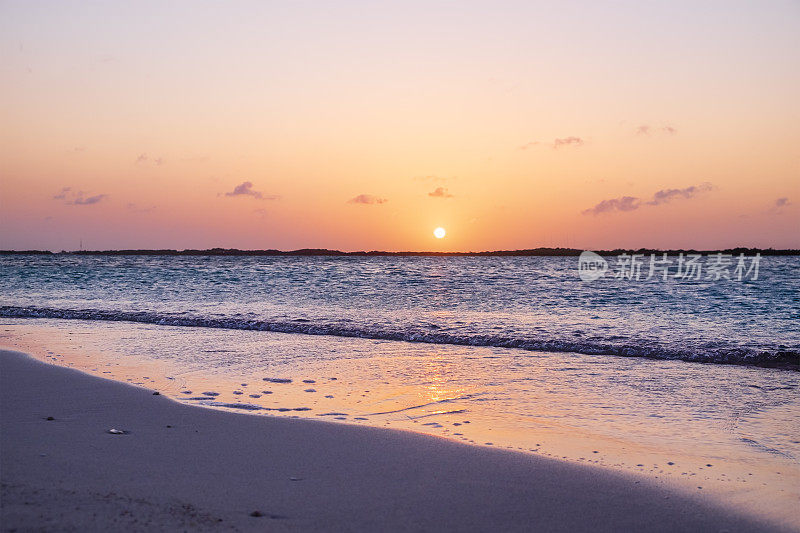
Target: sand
(180, 467)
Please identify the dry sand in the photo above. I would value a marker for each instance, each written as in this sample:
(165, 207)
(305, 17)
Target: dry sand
(190, 468)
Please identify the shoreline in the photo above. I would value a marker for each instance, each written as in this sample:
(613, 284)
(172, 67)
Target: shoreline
(298, 474)
(788, 359)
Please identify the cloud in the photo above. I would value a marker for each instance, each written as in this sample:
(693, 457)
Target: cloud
(557, 143)
(646, 129)
(782, 202)
(367, 199)
(63, 194)
(777, 207)
(631, 203)
(144, 158)
(568, 141)
(71, 197)
(623, 203)
(440, 192)
(246, 189)
(80, 200)
(667, 195)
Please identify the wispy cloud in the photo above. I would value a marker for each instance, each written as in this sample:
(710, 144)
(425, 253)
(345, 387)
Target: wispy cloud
(623, 203)
(646, 129)
(667, 195)
(631, 203)
(778, 206)
(62, 195)
(246, 189)
(144, 159)
(90, 200)
(440, 192)
(367, 199)
(71, 197)
(568, 141)
(560, 142)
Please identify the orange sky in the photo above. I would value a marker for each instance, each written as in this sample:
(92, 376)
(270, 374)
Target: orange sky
(512, 125)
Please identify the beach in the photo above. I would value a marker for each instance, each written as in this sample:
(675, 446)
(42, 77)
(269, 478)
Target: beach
(399, 266)
(179, 466)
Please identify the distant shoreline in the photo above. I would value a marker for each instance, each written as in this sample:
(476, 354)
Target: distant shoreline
(316, 252)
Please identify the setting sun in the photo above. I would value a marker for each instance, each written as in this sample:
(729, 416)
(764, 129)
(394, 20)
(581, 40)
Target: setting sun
(257, 179)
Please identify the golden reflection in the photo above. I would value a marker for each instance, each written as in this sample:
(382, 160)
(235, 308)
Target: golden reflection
(436, 382)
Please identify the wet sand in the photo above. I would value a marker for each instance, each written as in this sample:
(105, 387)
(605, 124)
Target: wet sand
(178, 466)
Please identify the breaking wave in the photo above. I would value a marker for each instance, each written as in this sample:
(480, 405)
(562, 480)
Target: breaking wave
(782, 358)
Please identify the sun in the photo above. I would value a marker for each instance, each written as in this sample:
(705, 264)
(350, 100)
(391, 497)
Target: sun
(439, 233)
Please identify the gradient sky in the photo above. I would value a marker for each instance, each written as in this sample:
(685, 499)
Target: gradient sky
(365, 125)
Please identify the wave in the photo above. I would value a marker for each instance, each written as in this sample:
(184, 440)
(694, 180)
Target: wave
(779, 358)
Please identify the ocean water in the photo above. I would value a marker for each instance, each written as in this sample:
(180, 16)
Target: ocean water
(528, 303)
(687, 382)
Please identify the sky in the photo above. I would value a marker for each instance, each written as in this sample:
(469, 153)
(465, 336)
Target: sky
(365, 125)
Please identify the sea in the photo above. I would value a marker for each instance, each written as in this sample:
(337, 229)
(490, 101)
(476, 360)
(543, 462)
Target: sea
(687, 380)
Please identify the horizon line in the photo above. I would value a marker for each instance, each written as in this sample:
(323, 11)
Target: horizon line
(324, 252)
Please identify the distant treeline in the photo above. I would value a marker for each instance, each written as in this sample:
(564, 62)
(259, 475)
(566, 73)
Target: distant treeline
(535, 252)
